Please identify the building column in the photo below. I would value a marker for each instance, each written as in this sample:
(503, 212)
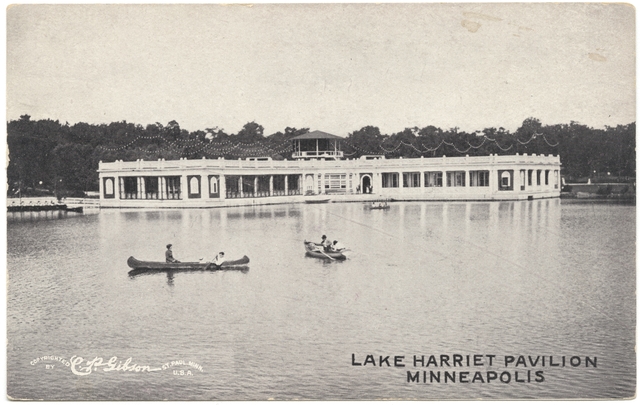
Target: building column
(467, 178)
(495, 185)
(240, 186)
(400, 180)
(121, 187)
(255, 186)
(271, 185)
(116, 187)
(515, 183)
(184, 187)
(351, 179)
(286, 184)
(143, 188)
(222, 187)
(162, 188)
(204, 179)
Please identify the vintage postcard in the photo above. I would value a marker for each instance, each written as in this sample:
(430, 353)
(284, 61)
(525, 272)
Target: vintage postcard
(431, 201)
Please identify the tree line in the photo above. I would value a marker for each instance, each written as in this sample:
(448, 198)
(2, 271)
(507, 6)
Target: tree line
(46, 156)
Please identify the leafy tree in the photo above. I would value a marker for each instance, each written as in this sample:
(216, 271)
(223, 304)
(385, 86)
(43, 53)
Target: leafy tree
(74, 171)
(250, 133)
(64, 158)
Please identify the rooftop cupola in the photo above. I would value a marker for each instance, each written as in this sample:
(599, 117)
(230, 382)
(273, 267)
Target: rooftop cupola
(317, 145)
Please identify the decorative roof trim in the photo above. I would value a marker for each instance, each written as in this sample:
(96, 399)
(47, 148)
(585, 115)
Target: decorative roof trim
(316, 135)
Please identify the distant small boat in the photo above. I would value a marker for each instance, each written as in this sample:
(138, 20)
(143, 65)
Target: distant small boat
(317, 199)
(379, 206)
(136, 264)
(315, 250)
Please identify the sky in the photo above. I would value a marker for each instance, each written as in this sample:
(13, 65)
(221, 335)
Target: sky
(329, 67)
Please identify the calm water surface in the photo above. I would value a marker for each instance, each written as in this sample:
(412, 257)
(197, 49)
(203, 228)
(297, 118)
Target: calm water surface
(534, 278)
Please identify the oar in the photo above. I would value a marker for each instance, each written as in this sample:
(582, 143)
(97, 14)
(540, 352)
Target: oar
(321, 251)
(326, 255)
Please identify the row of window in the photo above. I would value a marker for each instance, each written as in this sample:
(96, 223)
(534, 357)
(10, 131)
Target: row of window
(169, 187)
(537, 176)
(260, 186)
(334, 182)
(157, 188)
(477, 178)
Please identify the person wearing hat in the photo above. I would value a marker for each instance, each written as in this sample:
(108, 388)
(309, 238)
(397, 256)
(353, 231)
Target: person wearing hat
(218, 260)
(325, 243)
(168, 255)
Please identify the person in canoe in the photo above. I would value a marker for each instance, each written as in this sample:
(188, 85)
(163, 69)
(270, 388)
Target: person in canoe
(168, 255)
(217, 261)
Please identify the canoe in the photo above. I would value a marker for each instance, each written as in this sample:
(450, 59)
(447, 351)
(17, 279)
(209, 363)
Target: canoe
(312, 251)
(136, 264)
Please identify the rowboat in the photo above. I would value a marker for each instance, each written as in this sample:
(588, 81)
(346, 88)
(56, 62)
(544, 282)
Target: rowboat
(378, 205)
(317, 199)
(136, 264)
(315, 250)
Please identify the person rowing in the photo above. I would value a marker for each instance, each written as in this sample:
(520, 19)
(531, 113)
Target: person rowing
(325, 243)
(168, 255)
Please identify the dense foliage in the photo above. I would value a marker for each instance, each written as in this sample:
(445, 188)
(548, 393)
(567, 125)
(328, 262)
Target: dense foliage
(48, 156)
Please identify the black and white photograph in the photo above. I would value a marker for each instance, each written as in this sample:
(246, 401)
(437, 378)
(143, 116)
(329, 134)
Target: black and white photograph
(327, 202)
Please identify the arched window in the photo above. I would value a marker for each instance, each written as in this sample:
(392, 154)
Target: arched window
(505, 180)
(108, 188)
(213, 185)
(194, 186)
(214, 188)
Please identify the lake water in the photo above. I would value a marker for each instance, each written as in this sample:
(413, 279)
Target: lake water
(532, 278)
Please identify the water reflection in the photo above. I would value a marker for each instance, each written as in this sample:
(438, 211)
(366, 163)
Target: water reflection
(43, 215)
(170, 274)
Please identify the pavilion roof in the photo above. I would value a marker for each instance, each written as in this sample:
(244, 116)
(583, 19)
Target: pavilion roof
(316, 135)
